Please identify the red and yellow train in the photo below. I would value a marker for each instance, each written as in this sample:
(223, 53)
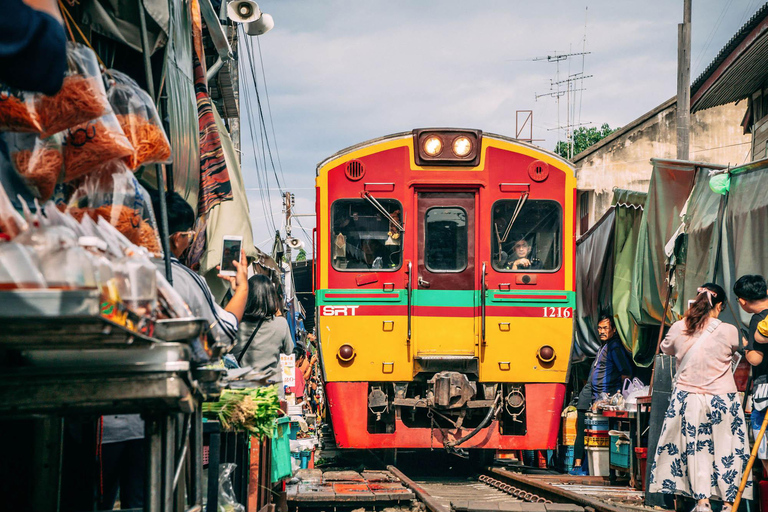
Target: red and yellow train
(445, 290)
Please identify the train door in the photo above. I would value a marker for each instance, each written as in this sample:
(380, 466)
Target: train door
(444, 298)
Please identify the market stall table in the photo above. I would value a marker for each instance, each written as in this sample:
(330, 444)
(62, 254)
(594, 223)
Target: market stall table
(119, 371)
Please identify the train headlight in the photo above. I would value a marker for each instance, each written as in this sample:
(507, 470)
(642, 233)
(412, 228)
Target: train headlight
(546, 354)
(462, 146)
(346, 353)
(433, 145)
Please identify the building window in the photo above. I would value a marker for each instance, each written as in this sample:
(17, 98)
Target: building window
(526, 238)
(364, 239)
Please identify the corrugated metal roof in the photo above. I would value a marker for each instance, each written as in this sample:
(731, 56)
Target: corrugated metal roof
(742, 76)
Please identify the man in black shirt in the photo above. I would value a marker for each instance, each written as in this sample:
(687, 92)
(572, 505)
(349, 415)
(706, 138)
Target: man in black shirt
(752, 293)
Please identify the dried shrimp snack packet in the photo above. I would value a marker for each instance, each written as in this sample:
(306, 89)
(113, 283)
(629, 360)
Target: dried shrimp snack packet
(38, 161)
(115, 195)
(139, 120)
(89, 146)
(17, 112)
(82, 97)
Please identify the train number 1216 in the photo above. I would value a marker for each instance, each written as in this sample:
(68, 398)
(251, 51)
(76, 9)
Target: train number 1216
(551, 312)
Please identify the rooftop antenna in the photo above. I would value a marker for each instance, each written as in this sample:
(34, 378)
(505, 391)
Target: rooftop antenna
(568, 88)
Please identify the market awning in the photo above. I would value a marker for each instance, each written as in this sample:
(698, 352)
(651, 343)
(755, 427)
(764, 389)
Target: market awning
(594, 282)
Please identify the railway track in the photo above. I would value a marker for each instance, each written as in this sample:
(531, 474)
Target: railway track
(492, 491)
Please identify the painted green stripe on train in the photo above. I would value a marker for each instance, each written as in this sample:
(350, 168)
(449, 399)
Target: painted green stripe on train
(444, 298)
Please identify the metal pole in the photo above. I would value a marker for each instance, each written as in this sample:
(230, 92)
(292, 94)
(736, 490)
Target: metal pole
(684, 83)
(160, 172)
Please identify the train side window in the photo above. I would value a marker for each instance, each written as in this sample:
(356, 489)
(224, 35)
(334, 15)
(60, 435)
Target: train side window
(526, 237)
(362, 238)
(445, 239)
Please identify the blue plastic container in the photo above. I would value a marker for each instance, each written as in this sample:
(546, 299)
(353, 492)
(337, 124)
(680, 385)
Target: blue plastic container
(305, 455)
(281, 449)
(295, 429)
(596, 422)
(568, 458)
(620, 452)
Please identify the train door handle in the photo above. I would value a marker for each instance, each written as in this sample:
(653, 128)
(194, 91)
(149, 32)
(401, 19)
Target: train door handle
(423, 283)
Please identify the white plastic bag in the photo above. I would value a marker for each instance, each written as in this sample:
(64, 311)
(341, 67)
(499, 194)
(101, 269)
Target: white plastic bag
(630, 386)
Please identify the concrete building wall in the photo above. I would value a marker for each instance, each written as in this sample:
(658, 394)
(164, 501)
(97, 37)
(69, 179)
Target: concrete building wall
(623, 160)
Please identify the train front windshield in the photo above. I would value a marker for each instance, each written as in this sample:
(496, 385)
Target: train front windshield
(362, 238)
(527, 237)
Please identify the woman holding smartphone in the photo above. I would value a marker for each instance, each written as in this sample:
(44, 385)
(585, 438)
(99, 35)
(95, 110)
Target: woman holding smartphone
(263, 335)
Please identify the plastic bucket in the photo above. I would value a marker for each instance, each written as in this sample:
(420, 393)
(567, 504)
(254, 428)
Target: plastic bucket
(599, 460)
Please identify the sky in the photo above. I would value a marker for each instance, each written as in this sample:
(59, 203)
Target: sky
(335, 73)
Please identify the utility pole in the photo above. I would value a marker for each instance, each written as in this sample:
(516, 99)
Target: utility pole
(684, 83)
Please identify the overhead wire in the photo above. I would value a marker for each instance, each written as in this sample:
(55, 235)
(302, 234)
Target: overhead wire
(263, 181)
(711, 35)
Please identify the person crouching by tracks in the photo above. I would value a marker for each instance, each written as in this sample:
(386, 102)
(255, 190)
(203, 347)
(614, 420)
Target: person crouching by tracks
(702, 450)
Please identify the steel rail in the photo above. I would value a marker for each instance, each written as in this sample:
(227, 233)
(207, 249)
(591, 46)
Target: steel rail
(556, 494)
(432, 504)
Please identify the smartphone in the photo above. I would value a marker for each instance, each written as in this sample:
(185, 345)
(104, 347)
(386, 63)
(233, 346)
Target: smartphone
(230, 252)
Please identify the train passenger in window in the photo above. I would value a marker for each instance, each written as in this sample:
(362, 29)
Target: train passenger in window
(522, 257)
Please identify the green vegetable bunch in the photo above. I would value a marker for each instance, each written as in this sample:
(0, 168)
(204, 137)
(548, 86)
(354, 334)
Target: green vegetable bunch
(253, 410)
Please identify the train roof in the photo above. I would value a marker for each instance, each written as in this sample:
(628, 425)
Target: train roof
(409, 134)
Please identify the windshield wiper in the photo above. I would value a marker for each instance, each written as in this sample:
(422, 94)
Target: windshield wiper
(376, 204)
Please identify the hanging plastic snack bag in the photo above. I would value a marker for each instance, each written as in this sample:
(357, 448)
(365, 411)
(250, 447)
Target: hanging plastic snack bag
(17, 112)
(38, 161)
(82, 97)
(140, 121)
(11, 221)
(116, 195)
(89, 146)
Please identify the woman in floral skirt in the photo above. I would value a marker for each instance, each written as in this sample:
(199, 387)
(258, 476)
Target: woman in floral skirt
(702, 451)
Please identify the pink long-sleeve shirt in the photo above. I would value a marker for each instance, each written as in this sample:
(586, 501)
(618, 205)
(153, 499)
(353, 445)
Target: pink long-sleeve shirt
(709, 369)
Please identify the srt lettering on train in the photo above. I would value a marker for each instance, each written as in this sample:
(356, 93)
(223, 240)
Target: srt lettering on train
(339, 310)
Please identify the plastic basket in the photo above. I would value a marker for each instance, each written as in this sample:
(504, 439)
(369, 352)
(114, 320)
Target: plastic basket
(596, 422)
(568, 458)
(597, 441)
(281, 449)
(620, 452)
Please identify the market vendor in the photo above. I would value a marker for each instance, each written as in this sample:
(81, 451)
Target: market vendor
(612, 365)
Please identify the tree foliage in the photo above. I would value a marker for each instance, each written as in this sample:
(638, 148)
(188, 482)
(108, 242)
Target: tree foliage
(302, 256)
(583, 138)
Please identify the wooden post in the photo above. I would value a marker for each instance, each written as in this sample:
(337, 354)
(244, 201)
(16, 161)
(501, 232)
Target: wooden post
(684, 83)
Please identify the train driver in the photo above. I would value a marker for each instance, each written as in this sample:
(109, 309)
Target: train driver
(521, 258)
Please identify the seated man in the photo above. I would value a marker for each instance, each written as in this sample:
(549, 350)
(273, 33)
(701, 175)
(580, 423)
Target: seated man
(612, 365)
(521, 257)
